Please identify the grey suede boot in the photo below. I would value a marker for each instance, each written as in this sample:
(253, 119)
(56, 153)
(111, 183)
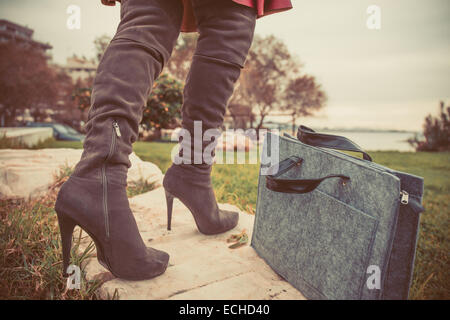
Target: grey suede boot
(94, 197)
(226, 32)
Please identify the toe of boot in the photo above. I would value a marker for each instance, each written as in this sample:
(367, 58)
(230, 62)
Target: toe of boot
(157, 260)
(230, 218)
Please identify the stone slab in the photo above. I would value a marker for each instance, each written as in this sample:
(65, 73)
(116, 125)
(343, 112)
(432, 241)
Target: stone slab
(200, 266)
(27, 174)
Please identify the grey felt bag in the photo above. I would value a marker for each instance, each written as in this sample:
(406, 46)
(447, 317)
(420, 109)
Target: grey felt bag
(333, 225)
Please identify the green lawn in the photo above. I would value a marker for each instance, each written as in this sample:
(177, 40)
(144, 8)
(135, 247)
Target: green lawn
(237, 184)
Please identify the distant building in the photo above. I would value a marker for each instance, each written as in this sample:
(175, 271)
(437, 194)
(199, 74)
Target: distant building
(80, 68)
(10, 31)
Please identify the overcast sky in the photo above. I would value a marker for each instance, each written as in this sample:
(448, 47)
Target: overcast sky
(388, 78)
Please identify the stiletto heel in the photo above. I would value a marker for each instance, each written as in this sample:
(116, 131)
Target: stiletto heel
(169, 201)
(66, 226)
(195, 191)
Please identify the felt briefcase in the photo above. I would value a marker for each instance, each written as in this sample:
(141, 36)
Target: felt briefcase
(333, 225)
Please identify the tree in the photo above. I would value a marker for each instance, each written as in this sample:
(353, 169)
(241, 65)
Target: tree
(101, 43)
(82, 90)
(267, 71)
(81, 97)
(180, 61)
(161, 111)
(436, 131)
(64, 110)
(26, 81)
(302, 97)
(164, 105)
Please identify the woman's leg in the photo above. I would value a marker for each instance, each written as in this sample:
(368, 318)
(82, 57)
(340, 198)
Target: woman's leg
(95, 195)
(226, 32)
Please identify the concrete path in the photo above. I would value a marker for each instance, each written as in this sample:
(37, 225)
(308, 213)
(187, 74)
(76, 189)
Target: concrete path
(201, 267)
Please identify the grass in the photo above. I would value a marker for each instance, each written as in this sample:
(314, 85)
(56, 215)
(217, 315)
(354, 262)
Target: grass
(431, 274)
(236, 184)
(139, 187)
(30, 251)
(156, 152)
(30, 248)
(9, 143)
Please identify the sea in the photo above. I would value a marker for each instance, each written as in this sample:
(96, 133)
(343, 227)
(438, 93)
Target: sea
(378, 140)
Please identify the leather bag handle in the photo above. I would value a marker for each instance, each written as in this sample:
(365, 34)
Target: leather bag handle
(312, 138)
(294, 185)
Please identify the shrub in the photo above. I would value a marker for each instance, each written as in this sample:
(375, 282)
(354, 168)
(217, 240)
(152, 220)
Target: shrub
(436, 131)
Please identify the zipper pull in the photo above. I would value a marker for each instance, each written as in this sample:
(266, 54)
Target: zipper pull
(404, 197)
(116, 127)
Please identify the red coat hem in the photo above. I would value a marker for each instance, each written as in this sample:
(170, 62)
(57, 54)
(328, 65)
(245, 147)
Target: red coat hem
(262, 7)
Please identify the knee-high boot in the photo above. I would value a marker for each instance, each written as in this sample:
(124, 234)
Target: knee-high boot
(94, 197)
(226, 32)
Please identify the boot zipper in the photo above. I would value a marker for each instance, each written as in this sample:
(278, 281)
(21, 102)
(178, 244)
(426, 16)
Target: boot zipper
(116, 127)
(116, 133)
(105, 200)
(404, 197)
